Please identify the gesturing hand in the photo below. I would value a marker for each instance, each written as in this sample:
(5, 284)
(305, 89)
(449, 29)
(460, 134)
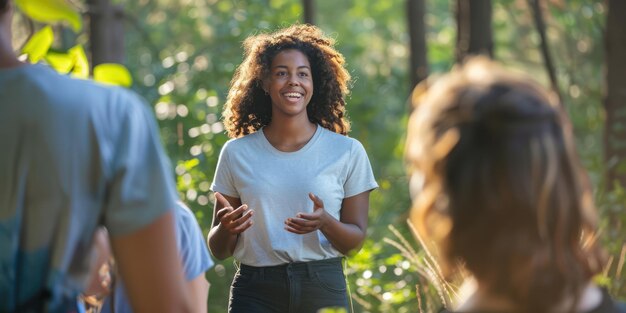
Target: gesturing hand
(305, 223)
(235, 221)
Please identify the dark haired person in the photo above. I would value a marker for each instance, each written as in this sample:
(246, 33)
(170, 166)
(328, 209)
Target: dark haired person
(292, 189)
(77, 155)
(497, 185)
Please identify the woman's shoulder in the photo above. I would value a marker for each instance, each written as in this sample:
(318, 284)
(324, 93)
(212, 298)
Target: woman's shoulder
(235, 144)
(340, 139)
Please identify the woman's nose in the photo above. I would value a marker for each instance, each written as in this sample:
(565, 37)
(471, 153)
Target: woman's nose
(293, 81)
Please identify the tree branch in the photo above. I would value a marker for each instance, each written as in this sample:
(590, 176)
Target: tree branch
(545, 50)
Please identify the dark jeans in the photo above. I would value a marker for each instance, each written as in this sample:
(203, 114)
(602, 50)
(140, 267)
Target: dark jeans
(299, 287)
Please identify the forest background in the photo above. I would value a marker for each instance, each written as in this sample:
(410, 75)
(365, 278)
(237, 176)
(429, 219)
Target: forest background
(181, 55)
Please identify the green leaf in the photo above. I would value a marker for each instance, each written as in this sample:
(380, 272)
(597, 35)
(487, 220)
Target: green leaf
(191, 163)
(51, 11)
(333, 310)
(114, 74)
(61, 62)
(39, 44)
(81, 64)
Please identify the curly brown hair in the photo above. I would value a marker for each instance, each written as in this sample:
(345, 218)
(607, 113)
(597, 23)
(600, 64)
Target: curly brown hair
(248, 107)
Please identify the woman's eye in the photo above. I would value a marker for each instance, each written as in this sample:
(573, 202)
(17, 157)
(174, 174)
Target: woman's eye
(304, 74)
(281, 73)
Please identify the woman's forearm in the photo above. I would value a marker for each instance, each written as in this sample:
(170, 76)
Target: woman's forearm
(227, 224)
(221, 242)
(344, 237)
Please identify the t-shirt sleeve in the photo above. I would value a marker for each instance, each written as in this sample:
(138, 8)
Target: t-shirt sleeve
(223, 182)
(141, 186)
(191, 243)
(360, 177)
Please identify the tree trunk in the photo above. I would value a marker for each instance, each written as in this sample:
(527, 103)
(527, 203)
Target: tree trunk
(545, 50)
(615, 96)
(106, 32)
(417, 41)
(309, 11)
(474, 31)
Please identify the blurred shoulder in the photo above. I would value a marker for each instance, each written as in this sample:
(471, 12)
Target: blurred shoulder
(80, 93)
(184, 215)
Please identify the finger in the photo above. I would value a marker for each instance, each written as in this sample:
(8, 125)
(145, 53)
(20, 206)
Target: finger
(237, 213)
(297, 231)
(300, 228)
(222, 212)
(234, 225)
(241, 228)
(300, 222)
(244, 218)
(309, 216)
(221, 199)
(317, 202)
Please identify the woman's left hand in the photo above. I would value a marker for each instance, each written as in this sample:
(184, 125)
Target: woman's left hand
(305, 223)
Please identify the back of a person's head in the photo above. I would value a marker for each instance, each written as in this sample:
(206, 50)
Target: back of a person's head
(497, 182)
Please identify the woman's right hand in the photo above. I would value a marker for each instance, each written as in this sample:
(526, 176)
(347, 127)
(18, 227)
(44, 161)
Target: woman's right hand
(235, 221)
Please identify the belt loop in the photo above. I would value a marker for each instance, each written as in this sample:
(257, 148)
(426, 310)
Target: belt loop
(262, 273)
(310, 270)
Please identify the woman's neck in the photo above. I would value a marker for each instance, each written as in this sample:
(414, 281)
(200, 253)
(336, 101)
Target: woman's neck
(289, 135)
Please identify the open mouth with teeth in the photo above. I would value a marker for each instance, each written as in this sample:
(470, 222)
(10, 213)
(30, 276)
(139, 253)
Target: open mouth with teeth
(293, 95)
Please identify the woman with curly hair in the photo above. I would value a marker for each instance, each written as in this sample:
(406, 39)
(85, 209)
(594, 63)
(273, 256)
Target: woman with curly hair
(292, 190)
(497, 184)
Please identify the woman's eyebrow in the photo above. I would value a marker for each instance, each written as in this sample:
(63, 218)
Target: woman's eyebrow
(286, 67)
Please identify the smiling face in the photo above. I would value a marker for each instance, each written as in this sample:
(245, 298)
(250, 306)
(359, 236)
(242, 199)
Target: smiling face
(290, 83)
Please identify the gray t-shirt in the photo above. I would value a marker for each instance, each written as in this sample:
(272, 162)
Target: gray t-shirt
(74, 155)
(276, 185)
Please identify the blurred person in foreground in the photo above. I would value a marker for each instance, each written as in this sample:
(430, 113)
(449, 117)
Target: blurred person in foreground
(497, 185)
(76, 155)
(194, 254)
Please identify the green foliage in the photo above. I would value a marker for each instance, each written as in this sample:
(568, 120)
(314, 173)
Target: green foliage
(114, 74)
(39, 44)
(333, 310)
(74, 61)
(612, 227)
(578, 26)
(61, 62)
(51, 11)
(81, 64)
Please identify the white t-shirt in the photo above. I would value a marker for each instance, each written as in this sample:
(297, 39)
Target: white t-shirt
(276, 185)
